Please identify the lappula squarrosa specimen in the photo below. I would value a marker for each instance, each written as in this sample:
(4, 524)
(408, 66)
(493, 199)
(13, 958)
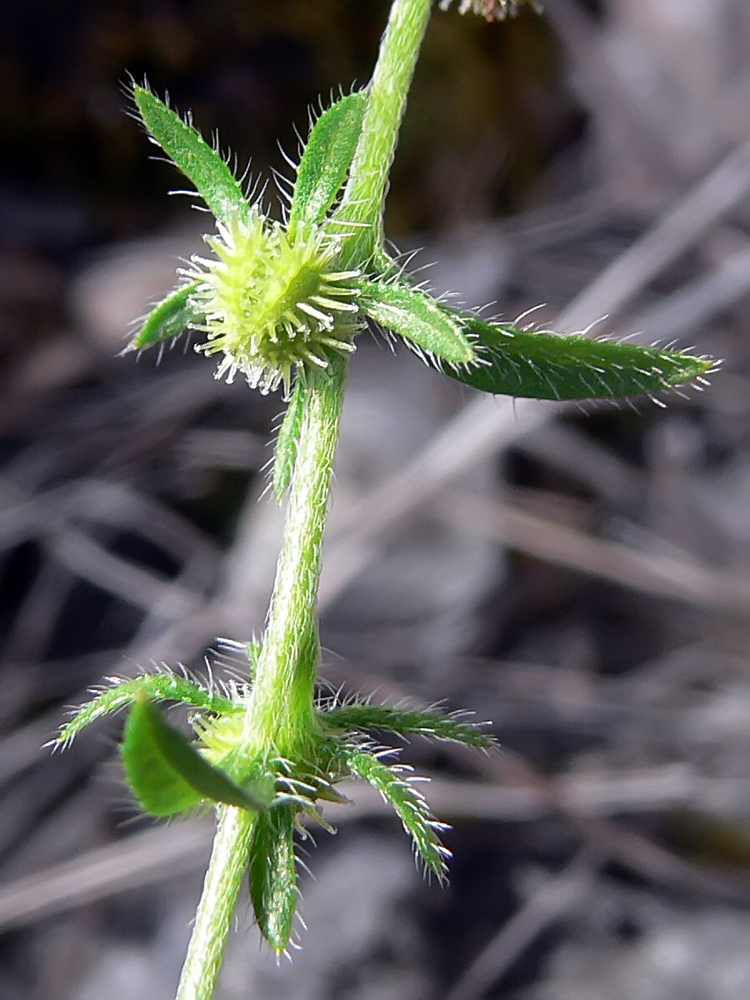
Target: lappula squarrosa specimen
(282, 303)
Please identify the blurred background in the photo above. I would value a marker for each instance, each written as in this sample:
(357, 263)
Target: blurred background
(579, 576)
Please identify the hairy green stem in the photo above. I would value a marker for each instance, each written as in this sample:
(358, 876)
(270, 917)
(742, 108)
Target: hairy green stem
(364, 197)
(280, 713)
(221, 887)
(281, 710)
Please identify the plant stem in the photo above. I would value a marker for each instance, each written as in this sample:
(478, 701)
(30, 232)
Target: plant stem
(280, 713)
(281, 709)
(364, 197)
(213, 920)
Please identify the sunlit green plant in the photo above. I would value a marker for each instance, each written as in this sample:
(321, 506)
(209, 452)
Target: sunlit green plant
(282, 303)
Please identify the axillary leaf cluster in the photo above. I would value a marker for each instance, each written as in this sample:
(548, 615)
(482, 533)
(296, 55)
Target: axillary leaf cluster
(276, 304)
(171, 774)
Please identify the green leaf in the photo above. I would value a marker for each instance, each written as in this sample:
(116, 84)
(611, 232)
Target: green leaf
(415, 315)
(158, 787)
(285, 457)
(167, 773)
(547, 366)
(123, 691)
(201, 164)
(409, 805)
(170, 318)
(327, 157)
(273, 875)
(406, 721)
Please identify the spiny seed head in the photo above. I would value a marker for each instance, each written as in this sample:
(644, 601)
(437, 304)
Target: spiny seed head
(274, 301)
(492, 10)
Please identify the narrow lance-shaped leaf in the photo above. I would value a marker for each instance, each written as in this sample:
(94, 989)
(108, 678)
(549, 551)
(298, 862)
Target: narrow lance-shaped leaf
(406, 721)
(273, 875)
(167, 774)
(201, 164)
(170, 318)
(546, 366)
(409, 805)
(122, 692)
(285, 457)
(416, 316)
(327, 157)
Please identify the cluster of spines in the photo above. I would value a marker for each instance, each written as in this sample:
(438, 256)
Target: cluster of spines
(273, 303)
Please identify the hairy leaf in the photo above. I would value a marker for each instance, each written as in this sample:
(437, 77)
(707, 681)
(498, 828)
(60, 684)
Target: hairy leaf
(415, 315)
(273, 875)
(406, 721)
(122, 692)
(167, 773)
(409, 805)
(545, 366)
(170, 318)
(187, 149)
(327, 157)
(285, 457)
